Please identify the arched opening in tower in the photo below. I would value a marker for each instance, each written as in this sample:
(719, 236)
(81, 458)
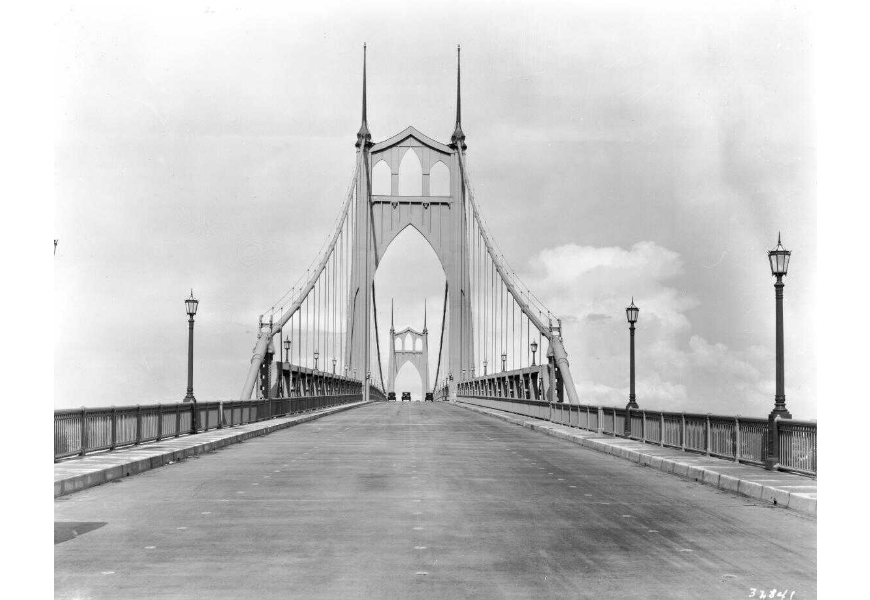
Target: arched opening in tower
(411, 276)
(408, 380)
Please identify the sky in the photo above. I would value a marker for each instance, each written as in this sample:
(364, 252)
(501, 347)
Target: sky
(617, 150)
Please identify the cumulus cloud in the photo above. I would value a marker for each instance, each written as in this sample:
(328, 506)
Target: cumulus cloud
(677, 369)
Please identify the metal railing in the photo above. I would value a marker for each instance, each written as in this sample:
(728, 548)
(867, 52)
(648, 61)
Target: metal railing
(736, 438)
(84, 430)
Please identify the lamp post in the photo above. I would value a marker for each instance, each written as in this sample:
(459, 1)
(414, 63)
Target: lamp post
(463, 374)
(503, 361)
(316, 356)
(631, 314)
(484, 367)
(191, 304)
(333, 365)
(534, 347)
(286, 343)
(779, 258)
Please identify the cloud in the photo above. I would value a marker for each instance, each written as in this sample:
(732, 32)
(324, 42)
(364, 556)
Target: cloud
(677, 369)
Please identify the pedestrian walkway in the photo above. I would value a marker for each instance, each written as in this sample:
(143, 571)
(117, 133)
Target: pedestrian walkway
(80, 473)
(782, 489)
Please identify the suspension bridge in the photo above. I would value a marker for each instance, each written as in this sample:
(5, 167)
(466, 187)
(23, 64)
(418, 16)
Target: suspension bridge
(489, 317)
(448, 499)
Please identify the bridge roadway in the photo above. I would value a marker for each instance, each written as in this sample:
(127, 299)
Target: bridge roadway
(411, 500)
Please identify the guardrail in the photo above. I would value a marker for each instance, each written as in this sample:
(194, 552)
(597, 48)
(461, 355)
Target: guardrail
(79, 431)
(736, 438)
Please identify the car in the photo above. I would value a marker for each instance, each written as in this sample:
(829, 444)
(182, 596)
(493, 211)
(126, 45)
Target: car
(406, 396)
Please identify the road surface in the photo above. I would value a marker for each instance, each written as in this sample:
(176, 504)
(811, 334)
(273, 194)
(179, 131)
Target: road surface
(413, 500)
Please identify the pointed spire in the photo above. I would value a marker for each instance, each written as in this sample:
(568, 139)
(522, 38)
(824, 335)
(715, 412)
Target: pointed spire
(392, 315)
(424, 316)
(458, 137)
(363, 136)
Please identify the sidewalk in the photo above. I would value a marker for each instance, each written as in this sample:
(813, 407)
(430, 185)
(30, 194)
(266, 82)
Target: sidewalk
(76, 474)
(782, 489)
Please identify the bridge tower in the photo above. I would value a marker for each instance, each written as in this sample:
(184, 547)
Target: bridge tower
(439, 215)
(418, 358)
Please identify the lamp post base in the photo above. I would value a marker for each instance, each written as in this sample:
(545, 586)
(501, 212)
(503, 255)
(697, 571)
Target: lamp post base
(189, 398)
(632, 405)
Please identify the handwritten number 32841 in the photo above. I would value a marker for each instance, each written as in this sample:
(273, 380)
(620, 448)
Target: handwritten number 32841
(757, 593)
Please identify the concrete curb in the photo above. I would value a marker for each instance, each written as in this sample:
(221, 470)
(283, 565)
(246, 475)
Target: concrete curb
(95, 469)
(781, 489)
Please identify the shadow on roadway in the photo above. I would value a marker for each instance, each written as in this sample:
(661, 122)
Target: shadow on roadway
(64, 532)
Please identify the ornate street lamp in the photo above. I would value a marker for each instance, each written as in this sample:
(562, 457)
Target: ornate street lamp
(779, 258)
(333, 365)
(484, 367)
(191, 304)
(316, 356)
(463, 374)
(503, 361)
(534, 347)
(287, 344)
(631, 314)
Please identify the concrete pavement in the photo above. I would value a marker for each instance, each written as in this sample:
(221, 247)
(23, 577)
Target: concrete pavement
(787, 490)
(413, 500)
(76, 474)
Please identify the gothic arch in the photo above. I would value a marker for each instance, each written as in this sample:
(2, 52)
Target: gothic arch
(439, 180)
(382, 179)
(410, 174)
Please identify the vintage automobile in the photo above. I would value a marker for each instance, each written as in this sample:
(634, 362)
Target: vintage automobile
(406, 396)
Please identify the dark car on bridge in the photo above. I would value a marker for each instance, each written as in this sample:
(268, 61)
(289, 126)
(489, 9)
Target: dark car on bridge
(406, 396)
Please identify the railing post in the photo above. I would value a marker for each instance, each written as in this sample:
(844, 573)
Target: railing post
(662, 430)
(177, 420)
(206, 418)
(707, 436)
(771, 461)
(600, 420)
(159, 422)
(683, 432)
(737, 439)
(193, 412)
(114, 428)
(138, 424)
(643, 426)
(84, 432)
